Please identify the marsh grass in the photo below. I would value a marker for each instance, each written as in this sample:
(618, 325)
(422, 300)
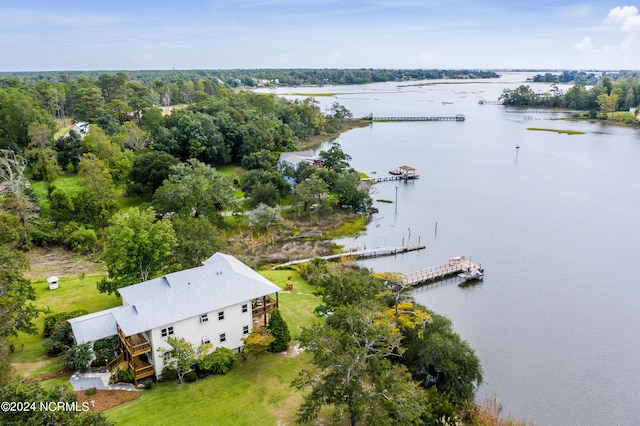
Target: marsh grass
(566, 132)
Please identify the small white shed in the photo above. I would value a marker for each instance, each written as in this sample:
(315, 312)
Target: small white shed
(53, 282)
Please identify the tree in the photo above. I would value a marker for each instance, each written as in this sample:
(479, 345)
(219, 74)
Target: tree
(608, 103)
(280, 332)
(180, 357)
(436, 356)
(17, 311)
(350, 288)
(137, 247)
(78, 357)
(352, 371)
(32, 394)
(41, 153)
(258, 341)
(195, 189)
(149, 170)
(311, 191)
(196, 240)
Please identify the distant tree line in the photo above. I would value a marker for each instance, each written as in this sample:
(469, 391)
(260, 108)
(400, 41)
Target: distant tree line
(607, 95)
(249, 77)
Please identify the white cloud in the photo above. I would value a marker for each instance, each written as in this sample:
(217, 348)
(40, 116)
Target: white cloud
(586, 45)
(625, 17)
(627, 43)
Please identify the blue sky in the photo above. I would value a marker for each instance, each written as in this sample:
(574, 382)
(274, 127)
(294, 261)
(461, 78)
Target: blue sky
(209, 34)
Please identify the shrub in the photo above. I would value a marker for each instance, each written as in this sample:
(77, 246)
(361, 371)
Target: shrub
(191, 377)
(51, 321)
(78, 356)
(82, 240)
(104, 349)
(148, 385)
(124, 376)
(90, 392)
(219, 361)
(279, 331)
(169, 374)
(60, 340)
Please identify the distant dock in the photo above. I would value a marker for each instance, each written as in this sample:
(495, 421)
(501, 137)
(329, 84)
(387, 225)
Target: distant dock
(401, 173)
(458, 117)
(455, 266)
(360, 254)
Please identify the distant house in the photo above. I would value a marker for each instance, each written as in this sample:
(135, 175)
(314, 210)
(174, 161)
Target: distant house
(81, 128)
(294, 160)
(219, 303)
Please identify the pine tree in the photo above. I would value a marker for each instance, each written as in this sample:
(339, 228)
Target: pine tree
(280, 331)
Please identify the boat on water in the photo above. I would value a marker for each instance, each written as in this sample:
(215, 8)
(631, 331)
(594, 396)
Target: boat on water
(472, 274)
(406, 172)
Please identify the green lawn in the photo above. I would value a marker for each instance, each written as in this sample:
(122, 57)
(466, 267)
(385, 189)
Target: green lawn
(29, 358)
(254, 392)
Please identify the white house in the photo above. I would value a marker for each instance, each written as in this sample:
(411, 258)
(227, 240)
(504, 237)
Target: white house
(294, 160)
(218, 303)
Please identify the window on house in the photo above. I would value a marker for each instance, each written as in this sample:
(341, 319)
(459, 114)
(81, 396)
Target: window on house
(244, 308)
(220, 315)
(223, 337)
(205, 340)
(204, 318)
(166, 331)
(245, 329)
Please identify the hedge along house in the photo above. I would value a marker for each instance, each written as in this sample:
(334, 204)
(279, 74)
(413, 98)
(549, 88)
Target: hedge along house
(218, 303)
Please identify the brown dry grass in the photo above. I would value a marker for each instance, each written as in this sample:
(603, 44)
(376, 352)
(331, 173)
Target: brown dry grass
(57, 261)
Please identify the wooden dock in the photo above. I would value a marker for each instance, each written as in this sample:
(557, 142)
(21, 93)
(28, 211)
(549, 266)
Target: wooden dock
(455, 266)
(389, 177)
(359, 254)
(458, 117)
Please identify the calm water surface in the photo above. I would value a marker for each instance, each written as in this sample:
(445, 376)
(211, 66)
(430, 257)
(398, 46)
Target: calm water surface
(556, 322)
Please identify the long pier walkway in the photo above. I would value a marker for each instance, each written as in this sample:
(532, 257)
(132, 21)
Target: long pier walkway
(383, 251)
(386, 178)
(459, 117)
(455, 266)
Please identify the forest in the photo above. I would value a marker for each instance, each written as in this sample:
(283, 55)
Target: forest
(253, 77)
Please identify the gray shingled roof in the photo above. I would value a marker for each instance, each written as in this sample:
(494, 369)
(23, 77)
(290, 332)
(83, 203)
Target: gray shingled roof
(220, 282)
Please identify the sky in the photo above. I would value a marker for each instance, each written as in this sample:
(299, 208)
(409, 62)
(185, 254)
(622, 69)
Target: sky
(63, 35)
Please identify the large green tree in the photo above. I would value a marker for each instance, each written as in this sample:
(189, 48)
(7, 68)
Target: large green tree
(352, 371)
(195, 189)
(437, 357)
(17, 311)
(137, 247)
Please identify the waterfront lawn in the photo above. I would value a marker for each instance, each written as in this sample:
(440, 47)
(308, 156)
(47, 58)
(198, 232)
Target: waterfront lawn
(256, 391)
(298, 305)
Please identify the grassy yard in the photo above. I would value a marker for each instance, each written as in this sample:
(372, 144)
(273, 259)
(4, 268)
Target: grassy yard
(29, 358)
(254, 392)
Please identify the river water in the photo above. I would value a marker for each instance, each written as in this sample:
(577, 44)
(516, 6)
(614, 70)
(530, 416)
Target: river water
(555, 224)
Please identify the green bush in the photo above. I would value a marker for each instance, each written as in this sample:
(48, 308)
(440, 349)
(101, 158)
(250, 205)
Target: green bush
(191, 377)
(90, 392)
(82, 240)
(169, 374)
(219, 361)
(104, 349)
(53, 320)
(124, 376)
(60, 340)
(279, 331)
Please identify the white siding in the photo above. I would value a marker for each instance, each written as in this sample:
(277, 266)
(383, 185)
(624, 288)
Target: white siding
(193, 330)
